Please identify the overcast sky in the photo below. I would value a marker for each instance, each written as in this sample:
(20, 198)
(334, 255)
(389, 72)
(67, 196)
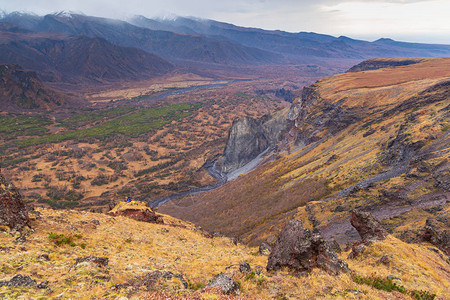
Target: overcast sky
(406, 20)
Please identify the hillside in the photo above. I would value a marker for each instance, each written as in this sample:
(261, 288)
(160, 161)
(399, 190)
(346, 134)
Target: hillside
(23, 90)
(293, 45)
(77, 59)
(71, 253)
(166, 44)
(374, 140)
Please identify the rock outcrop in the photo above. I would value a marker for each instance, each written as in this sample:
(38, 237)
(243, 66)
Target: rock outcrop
(247, 139)
(369, 228)
(225, 283)
(302, 250)
(438, 234)
(13, 211)
(136, 210)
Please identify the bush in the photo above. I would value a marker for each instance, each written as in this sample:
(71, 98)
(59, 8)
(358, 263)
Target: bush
(387, 284)
(61, 239)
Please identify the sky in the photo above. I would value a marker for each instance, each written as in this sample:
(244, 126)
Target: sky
(425, 21)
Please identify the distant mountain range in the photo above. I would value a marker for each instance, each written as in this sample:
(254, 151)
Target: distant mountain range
(293, 44)
(76, 58)
(73, 47)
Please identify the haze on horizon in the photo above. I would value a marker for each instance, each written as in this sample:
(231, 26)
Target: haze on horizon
(405, 20)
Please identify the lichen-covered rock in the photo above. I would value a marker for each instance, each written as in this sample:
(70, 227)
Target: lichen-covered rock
(13, 211)
(227, 284)
(302, 250)
(136, 210)
(245, 268)
(369, 228)
(97, 261)
(19, 280)
(264, 249)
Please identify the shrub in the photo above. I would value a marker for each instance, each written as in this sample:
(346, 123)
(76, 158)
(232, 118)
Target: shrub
(61, 239)
(387, 284)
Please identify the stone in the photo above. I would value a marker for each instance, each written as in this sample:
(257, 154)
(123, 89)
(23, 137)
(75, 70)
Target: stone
(43, 285)
(227, 284)
(301, 250)
(44, 257)
(385, 259)
(97, 261)
(245, 268)
(264, 249)
(13, 211)
(357, 249)
(369, 228)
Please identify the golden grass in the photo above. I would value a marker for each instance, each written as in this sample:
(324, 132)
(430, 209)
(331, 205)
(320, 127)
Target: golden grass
(136, 248)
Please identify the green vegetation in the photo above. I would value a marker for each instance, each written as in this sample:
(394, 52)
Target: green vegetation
(130, 125)
(12, 125)
(388, 284)
(61, 239)
(92, 116)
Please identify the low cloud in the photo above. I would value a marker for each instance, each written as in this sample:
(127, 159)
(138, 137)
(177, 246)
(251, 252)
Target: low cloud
(416, 20)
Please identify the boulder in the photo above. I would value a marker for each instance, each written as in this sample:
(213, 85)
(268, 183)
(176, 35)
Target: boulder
(245, 268)
(369, 228)
(13, 211)
(136, 210)
(225, 283)
(438, 234)
(264, 249)
(301, 250)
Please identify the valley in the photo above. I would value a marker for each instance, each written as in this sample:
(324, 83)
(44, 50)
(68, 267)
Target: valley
(183, 158)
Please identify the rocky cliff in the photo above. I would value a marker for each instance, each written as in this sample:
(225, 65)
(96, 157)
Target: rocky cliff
(248, 138)
(13, 212)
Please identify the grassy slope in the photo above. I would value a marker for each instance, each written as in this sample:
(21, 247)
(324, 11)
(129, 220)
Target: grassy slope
(135, 248)
(255, 206)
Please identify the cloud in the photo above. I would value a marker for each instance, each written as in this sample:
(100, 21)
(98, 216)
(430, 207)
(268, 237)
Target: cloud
(419, 20)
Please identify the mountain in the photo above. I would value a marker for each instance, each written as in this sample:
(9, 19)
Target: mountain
(166, 44)
(23, 90)
(76, 58)
(293, 44)
(375, 140)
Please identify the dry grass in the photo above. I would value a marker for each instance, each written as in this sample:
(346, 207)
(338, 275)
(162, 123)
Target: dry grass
(136, 248)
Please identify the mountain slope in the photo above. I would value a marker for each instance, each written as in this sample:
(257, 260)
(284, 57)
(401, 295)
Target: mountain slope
(72, 253)
(375, 140)
(77, 58)
(22, 90)
(294, 44)
(166, 44)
